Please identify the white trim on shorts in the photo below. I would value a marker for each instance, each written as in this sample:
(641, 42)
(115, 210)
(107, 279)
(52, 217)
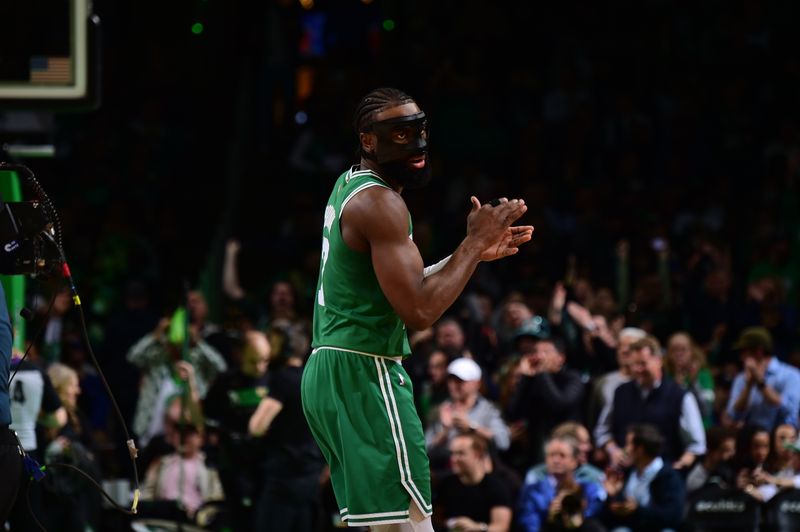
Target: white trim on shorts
(314, 351)
(403, 463)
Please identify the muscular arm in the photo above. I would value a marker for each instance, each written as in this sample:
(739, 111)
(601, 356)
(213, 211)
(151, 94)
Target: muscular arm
(376, 221)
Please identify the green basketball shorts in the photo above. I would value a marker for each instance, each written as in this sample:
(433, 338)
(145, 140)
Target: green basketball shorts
(360, 408)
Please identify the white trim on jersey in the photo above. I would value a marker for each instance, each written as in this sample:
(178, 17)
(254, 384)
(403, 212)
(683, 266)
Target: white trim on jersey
(351, 174)
(356, 191)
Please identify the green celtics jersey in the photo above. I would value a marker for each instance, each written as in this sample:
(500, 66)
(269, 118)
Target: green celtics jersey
(350, 310)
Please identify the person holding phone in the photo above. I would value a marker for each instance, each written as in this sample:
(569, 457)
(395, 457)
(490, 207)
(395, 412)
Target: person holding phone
(651, 496)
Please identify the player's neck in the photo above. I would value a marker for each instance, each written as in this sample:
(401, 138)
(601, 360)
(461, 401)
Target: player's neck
(368, 164)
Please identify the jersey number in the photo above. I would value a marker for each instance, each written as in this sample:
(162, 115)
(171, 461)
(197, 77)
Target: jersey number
(19, 393)
(326, 247)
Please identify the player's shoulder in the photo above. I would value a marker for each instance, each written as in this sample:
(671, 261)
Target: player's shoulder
(371, 195)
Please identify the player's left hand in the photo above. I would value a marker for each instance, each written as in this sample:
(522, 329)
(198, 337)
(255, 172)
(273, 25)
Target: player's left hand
(509, 243)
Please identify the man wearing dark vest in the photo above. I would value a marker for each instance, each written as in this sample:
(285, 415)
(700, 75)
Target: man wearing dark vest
(652, 397)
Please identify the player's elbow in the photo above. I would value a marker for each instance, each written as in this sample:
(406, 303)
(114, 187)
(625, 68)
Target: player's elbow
(419, 319)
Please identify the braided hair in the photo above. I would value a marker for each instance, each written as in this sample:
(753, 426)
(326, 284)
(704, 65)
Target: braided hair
(375, 102)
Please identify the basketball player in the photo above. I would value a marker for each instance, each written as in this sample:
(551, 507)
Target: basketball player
(356, 395)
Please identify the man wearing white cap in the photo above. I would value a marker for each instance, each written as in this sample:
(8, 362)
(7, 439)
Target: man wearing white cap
(465, 411)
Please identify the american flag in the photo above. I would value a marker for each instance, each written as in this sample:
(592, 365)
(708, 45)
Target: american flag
(45, 69)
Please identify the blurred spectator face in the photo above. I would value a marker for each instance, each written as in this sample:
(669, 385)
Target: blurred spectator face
(255, 357)
(450, 337)
(70, 392)
(485, 307)
(629, 444)
(636, 453)
(545, 353)
(62, 302)
(560, 458)
(516, 313)
(282, 297)
(679, 350)
(726, 450)
(437, 367)
(624, 351)
(785, 435)
(461, 390)
(198, 308)
(604, 303)
(192, 442)
(174, 410)
(759, 447)
(464, 459)
(65, 381)
(583, 292)
(645, 367)
(752, 355)
(584, 444)
(530, 349)
(766, 291)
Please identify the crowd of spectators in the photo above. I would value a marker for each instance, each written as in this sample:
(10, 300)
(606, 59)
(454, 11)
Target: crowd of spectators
(636, 357)
(577, 415)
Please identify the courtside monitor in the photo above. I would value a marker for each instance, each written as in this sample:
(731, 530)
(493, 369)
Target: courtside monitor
(48, 54)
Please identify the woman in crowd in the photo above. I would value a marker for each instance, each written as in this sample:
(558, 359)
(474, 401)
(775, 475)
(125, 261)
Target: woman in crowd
(753, 448)
(71, 503)
(686, 363)
(780, 469)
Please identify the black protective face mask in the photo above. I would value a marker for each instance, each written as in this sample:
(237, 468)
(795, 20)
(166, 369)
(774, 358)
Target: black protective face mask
(400, 139)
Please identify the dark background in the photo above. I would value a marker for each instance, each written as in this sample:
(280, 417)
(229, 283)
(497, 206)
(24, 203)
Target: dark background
(614, 120)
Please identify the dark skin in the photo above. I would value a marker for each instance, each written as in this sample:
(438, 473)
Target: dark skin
(376, 222)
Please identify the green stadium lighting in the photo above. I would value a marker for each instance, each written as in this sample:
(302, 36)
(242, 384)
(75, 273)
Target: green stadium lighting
(197, 28)
(388, 24)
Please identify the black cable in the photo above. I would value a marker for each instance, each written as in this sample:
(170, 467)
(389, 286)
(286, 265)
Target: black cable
(54, 235)
(126, 511)
(44, 199)
(36, 338)
(93, 481)
(128, 440)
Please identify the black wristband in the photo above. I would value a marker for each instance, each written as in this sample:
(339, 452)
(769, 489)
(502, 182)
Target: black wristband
(761, 385)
